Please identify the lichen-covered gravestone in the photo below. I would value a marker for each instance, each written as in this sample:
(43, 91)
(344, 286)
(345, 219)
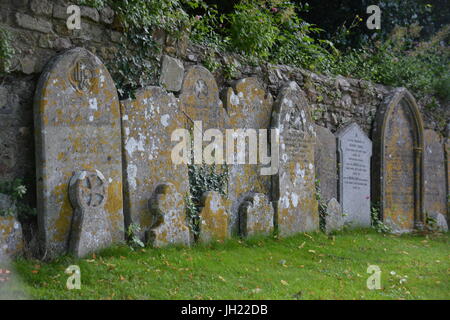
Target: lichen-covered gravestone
(355, 151)
(168, 223)
(147, 126)
(294, 186)
(248, 107)
(213, 218)
(326, 163)
(91, 229)
(398, 162)
(435, 193)
(77, 123)
(256, 216)
(11, 238)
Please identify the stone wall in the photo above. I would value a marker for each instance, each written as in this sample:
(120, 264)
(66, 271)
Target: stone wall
(39, 31)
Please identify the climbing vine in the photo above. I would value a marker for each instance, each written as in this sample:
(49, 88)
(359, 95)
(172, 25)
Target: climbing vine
(16, 190)
(6, 51)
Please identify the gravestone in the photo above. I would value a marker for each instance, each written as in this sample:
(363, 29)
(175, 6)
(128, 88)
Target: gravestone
(199, 99)
(91, 229)
(355, 151)
(213, 218)
(447, 156)
(398, 162)
(147, 126)
(334, 219)
(296, 208)
(435, 193)
(256, 216)
(77, 123)
(11, 238)
(248, 107)
(326, 163)
(168, 223)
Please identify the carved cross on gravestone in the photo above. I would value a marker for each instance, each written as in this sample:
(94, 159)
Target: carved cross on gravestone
(91, 230)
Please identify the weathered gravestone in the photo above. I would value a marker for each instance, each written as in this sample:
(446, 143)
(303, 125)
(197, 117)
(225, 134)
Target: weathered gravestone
(168, 224)
(248, 107)
(147, 126)
(355, 151)
(398, 162)
(11, 238)
(77, 123)
(91, 229)
(213, 218)
(334, 219)
(294, 185)
(435, 193)
(447, 156)
(199, 99)
(326, 163)
(256, 216)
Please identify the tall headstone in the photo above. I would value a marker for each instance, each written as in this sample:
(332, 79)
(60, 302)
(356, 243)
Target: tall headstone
(147, 126)
(256, 216)
(77, 123)
(398, 162)
(296, 208)
(214, 218)
(326, 163)
(168, 223)
(248, 107)
(435, 193)
(355, 151)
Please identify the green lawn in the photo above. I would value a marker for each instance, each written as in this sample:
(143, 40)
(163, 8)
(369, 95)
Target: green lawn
(307, 266)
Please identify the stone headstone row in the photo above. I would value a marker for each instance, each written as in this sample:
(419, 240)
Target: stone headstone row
(88, 145)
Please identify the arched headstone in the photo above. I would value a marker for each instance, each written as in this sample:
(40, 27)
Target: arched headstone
(355, 151)
(398, 162)
(248, 107)
(77, 123)
(293, 187)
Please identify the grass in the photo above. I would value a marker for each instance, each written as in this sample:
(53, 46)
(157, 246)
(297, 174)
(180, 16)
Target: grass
(306, 266)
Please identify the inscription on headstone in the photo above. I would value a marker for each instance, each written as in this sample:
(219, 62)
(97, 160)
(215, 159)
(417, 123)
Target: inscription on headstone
(355, 151)
(398, 162)
(294, 185)
(77, 123)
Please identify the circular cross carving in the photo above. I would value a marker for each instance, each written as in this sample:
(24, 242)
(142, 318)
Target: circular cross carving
(88, 189)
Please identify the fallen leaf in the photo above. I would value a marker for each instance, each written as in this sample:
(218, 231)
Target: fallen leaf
(284, 283)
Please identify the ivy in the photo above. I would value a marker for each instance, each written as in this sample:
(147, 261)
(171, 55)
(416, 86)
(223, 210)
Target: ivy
(6, 51)
(16, 190)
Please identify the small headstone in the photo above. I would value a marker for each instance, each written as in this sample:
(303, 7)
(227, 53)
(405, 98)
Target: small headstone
(172, 72)
(147, 126)
(248, 107)
(168, 222)
(440, 222)
(398, 161)
(256, 216)
(11, 238)
(355, 151)
(435, 196)
(213, 218)
(326, 163)
(77, 123)
(91, 230)
(334, 219)
(294, 185)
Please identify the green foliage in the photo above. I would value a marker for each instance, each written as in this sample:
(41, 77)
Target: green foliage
(16, 190)
(377, 223)
(6, 51)
(322, 206)
(203, 178)
(132, 234)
